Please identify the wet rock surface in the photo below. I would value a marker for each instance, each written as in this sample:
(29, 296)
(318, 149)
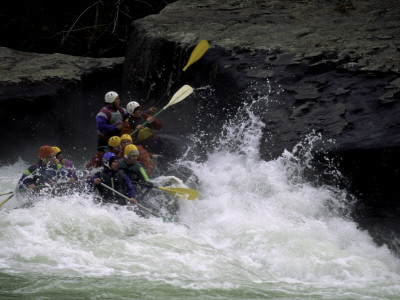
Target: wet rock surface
(52, 97)
(329, 67)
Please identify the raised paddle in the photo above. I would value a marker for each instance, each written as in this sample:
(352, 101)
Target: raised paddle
(182, 193)
(181, 94)
(196, 54)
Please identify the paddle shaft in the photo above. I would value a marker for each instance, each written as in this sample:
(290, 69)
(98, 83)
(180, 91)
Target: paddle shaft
(6, 193)
(1, 204)
(145, 123)
(128, 201)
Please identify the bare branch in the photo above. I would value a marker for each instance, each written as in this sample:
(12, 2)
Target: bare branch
(148, 3)
(66, 36)
(116, 16)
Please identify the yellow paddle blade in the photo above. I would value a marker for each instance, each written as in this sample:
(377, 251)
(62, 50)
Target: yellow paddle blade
(181, 94)
(182, 193)
(197, 53)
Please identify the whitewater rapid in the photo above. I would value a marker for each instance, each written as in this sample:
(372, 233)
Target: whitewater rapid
(256, 231)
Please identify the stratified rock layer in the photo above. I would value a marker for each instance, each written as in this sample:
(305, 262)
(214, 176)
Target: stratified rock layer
(52, 99)
(335, 64)
(330, 67)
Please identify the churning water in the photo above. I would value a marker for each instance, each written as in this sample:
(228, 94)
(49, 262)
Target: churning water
(257, 231)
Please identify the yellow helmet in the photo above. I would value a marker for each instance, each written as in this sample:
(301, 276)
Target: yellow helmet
(56, 150)
(131, 150)
(114, 141)
(126, 137)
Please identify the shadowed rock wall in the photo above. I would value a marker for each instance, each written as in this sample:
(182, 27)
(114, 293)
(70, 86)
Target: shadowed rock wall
(52, 99)
(331, 67)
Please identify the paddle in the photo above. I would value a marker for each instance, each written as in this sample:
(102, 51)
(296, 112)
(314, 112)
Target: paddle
(6, 193)
(196, 54)
(1, 204)
(141, 206)
(182, 193)
(181, 94)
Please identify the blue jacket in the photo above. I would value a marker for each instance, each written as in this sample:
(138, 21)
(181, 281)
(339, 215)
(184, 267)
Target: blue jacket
(40, 174)
(126, 187)
(104, 123)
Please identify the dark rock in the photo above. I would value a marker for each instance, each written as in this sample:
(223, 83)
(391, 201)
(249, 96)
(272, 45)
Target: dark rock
(335, 65)
(340, 91)
(259, 73)
(307, 94)
(52, 99)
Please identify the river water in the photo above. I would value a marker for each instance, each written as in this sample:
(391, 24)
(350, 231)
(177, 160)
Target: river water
(257, 231)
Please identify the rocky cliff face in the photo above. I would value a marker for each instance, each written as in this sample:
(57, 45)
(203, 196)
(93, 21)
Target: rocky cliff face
(330, 67)
(335, 64)
(52, 99)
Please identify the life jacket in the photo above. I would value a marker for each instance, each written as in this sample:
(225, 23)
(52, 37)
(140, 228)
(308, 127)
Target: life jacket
(116, 181)
(113, 115)
(144, 133)
(145, 159)
(40, 174)
(133, 171)
(68, 165)
(134, 122)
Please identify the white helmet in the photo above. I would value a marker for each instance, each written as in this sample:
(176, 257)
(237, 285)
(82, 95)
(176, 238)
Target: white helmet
(110, 97)
(132, 106)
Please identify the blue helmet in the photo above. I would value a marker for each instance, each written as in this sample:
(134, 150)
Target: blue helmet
(107, 159)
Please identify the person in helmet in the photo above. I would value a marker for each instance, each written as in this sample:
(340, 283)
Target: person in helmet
(114, 178)
(126, 140)
(67, 164)
(144, 156)
(131, 166)
(109, 123)
(114, 146)
(110, 118)
(144, 135)
(46, 171)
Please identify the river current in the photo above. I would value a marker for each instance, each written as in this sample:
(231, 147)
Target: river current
(257, 231)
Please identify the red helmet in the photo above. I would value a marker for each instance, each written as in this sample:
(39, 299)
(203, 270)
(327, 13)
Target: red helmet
(45, 152)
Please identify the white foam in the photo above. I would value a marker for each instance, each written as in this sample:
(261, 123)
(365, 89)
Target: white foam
(254, 225)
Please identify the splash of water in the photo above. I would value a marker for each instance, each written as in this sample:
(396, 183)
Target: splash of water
(258, 230)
